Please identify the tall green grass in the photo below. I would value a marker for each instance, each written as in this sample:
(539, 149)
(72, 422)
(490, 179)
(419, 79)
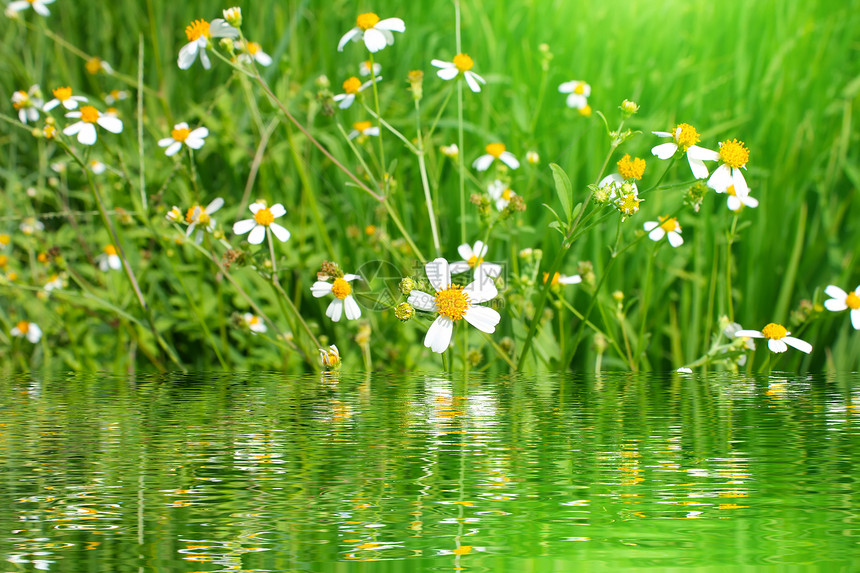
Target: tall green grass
(781, 76)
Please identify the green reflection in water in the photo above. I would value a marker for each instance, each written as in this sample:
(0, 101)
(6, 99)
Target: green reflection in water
(254, 472)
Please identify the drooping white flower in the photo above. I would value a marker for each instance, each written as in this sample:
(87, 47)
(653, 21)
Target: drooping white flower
(96, 166)
(55, 282)
(668, 227)
(264, 218)
(474, 259)
(115, 96)
(560, 279)
(376, 33)
(330, 357)
(254, 323)
(39, 7)
(109, 259)
(462, 65)
(501, 193)
(199, 32)
(364, 68)
(452, 303)
(736, 202)
(31, 226)
(344, 302)
(363, 128)
(180, 135)
(252, 51)
(685, 137)
(777, 338)
(86, 127)
(30, 330)
(64, 96)
(351, 87)
(495, 151)
(197, 216)
(733, 156)
(579, 92)
(840, 300)
(28, 103)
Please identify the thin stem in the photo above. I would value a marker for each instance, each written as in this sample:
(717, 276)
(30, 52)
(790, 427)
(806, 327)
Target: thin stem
(425, 183)
(382, 164)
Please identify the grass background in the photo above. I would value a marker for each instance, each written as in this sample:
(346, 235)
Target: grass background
(782, 76)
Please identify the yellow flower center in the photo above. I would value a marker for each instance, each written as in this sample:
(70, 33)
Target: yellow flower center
(23, 100)
(180, 134)
(452, 302)
(203, 218)
(734, 154)
(669, 223)
(13, 276)
(774, 331)
(192, 212)
(631, 168)
(686, 136)
(496, 149)
(196, 29)
(23, 326)
(253, 48)
(89, 114)
(585, 111)
(62, 94)
(42, 258)
(94, 66)
(370, 230)
(340, 288)
(474, 261)
(853, 301)
(5, 239)
(50, 131)
(110, 250)
(579, 89)
(367, 21)
(264, 217)
(463, 62)
(731, 190)
(4, 261)
(554, 281)
(507, 194)
(629, 204)
(352, 85)
(361, 126)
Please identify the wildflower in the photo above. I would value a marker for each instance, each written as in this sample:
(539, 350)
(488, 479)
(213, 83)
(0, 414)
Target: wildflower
(560, 279)
(731, 329)
(685, 137)
(96, 166)
(86, 128)
(30, 330)
(628, 107)
(404, 311)
(343, 299)
(667, 226)
(95, 65)
(684, 370)
(363, 128)
(182, 134)
(351, 87)
(840, 300)
(198, 216)
(330, 357)
(233, 16)
(585, 111)
(199, 32)
(375, 32)
(501, 193)
(115, 95)
(5, 240)
(264, 218)
(254, 323)
(174, 215)
(54, 283)
(579, 92)
(253, 52)
(31, 226)
(28, 103)
(109, 259)
(450, 151)
(631, 168)
(474, 259)
(495, 151)
(778, 337)
(736, 202)
(733, 156)
(39, 7)
(364, 69)
(622, 194)
(532, 157)
(63, 95)
(462, 65)
(453, 302)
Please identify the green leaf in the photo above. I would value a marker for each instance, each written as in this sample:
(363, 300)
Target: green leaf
(563, 188)
(556, 215)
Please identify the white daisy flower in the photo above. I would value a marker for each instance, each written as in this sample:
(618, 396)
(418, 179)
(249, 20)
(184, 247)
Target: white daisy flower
(30, 330)
(96, 166)
(614, 183)
(254, 323)
(532, 157)
(560, 279)
(182, 134)
(778, 337)
(97, 65)
(450, 151)
(330, 357)
(343, 301)
(579, 92)
(376, 33)
(86, 127)
(474, 259)
(264, 218)
(840, 300)
(685, 137)
(364, 68)
(114, 96)
(253, 52)
(736, 202)
(233, 16)
(109, 260)
(351, 87)
(462, 65)
(64, 96)
(39, 7)
(198, 216)
(668, 227)
(174, 215)
(54, 283)
(452, 303)
(31, 226)
(495, 151)
(733, 156)
(363, 128)
(199, 32)
(501, 193)
(28, 103)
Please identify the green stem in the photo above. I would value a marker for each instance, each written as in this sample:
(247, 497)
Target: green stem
(382, 163)
(425, 183)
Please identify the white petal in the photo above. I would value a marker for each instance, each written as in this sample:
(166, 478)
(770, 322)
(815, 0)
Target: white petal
(74, 128)
(797, 343)
(439, 334)
(164, 142)
(835, 305)
(34, 334)
(509, 159)
(855, 318)
(489, 269)
(391, 24)
(664, 150)
(173, 149)
(443, 64)
(465, 251)
(335, 310)
(470, 80)
(483, 162)
(87, 134)
(263, 59)
(257, 235)
(448, 73)
(741, 187)
(750, 201)
(277, 210)
(702, 154)
(675, 239)
(218, 28)
(347, 101)
(350, 278)
(374, 39)
(347, 37)
(650, 225)
(438, 273)
(351, 307)
(254, 207)
(835, 292)
(199, 133)
(194, 142)
(321, 288)
(662, 133)
(422, 301)
(576, 101)
(483, 318)
(282, 234)
(571, 280)
(481, 290)
(112, 124)
(204, 59)
(699, 169)
(720, 179)
(776, 345)
(613, 178)
(187, 55)
(51, 104)
(40, 9)
(749, 334)
(459, 267)
(657, 233)
(567, 87)
(733, 203)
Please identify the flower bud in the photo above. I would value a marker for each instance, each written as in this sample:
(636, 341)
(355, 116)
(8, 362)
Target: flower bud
(330, 357)
(404, 311)
(406, 285)
(628, 107)
(233, 16)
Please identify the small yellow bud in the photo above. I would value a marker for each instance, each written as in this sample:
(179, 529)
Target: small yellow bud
(404, 311)
(406, 285)
(628, 107)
